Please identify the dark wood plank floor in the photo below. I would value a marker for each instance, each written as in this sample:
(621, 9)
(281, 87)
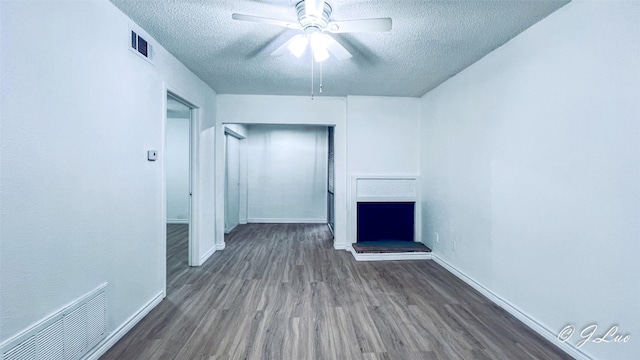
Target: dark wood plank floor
(280, 291)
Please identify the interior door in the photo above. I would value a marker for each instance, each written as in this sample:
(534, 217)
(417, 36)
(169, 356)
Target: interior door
(232, 203)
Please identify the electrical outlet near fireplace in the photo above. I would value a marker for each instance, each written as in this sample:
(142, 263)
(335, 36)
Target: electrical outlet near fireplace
(437, 237)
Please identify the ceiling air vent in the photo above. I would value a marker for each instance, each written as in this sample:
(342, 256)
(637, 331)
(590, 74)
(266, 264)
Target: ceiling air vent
(141, 46)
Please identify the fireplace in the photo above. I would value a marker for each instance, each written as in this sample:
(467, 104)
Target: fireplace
(385, 221)
(385, 209)
(385, 217)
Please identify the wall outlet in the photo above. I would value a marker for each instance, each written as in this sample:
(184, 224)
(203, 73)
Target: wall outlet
(437, 237)
(454, 244)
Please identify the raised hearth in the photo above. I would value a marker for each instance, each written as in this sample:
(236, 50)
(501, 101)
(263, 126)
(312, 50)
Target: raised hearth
(390, 247)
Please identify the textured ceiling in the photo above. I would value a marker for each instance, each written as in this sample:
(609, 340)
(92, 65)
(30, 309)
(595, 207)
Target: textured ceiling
(430, 42)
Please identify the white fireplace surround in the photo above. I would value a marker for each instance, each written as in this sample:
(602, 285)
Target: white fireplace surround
(384, 188)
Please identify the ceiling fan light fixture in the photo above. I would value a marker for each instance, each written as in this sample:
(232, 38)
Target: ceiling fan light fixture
(318, 43)
(320, 54)
(298, 45)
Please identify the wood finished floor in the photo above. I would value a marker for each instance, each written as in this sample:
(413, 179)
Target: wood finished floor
(280, 291)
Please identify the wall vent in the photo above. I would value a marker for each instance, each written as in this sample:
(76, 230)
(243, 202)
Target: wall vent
(141, 46)
(67, 335)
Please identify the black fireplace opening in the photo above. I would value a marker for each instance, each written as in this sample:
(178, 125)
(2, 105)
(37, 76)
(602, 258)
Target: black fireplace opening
(385, 221)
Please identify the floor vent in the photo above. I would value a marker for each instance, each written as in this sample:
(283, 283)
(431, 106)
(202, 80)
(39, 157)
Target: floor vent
(67, 335)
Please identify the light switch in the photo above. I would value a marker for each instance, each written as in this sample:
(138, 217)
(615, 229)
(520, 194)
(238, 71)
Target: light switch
(152, 155)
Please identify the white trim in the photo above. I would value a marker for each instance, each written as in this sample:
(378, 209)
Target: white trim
(285, 221)
(163, 192)
(211, 251)
(208, 254)
(386, 177)
(340, 246)
(194, 131)
(228, 131)
(388, 256)
(194, 180)
(386, 199)
(122, 330)
(177, 221)
(194, 148)
(513, 310)
(228, 231)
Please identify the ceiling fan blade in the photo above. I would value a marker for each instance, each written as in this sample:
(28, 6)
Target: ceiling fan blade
(296, 46)
(263, 20)
(336, 49)
(283, 49)
(362, 25)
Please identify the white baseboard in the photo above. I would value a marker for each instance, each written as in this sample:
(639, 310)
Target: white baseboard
(514, 310)
(207, 255)
(340, 246)
(388, 256)
(228, 231)
(177, 221)
(285, 221)
(122, 330)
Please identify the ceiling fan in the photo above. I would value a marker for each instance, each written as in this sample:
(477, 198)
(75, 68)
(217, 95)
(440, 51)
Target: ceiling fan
(313, 21)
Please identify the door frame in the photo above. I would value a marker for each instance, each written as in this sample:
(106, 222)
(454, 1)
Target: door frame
(239, 137)
(331, 169)
(194, 146)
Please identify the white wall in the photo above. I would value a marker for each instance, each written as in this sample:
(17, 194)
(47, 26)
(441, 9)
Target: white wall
(177, 170)
(287, 174)
(531, 163)
(81, 205)
(384, 136)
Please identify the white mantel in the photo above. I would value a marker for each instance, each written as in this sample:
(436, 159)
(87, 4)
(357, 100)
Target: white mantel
(386, 189)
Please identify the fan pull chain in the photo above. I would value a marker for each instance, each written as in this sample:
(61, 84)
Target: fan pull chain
(320, 78)
(311, 76)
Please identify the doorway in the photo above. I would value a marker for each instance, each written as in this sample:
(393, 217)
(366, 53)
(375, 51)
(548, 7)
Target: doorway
(286, 174)
(331, 179)
(232, 180)
(178, 174)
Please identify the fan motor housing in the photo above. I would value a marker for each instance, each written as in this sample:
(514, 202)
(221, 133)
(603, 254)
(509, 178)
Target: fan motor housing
(311, 21)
